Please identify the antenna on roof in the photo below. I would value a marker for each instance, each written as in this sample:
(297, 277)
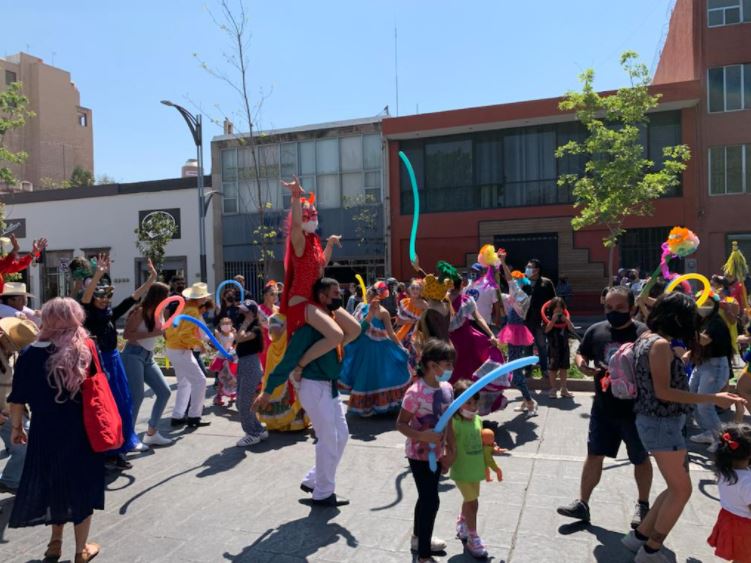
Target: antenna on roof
(396, 69)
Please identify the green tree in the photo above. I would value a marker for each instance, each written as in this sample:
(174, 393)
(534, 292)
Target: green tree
(81, 177)
(103, 179)
(153, 235)
(365, 216)
(618, 180)
(13, 115)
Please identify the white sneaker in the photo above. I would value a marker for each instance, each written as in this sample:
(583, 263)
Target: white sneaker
(631, 542)
(248, 440)
(643, 557)
(140, 447)
(264, 435)
(436, 544)
(156, 440)
(703, 438)
(713, 447)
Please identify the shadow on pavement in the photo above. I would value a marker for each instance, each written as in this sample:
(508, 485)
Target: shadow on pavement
(368, 428)
(6, 506)
(399, 491)
(610, 549)
(522, 427)
(299, 538)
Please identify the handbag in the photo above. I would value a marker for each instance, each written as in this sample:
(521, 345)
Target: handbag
(101, 419)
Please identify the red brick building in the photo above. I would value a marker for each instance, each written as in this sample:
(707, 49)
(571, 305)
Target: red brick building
(488, 174)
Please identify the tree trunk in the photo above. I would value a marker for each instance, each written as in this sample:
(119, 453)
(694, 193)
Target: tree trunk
(611, 273)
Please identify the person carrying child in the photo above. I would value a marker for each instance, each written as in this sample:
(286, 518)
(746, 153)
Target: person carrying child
(423, 404)
(225, 370)
(467, 467)
(731, 536)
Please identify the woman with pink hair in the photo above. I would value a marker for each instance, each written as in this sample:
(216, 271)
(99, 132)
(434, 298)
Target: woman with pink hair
(63, 479)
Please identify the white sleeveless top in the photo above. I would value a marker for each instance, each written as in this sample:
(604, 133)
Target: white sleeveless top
(146, 343)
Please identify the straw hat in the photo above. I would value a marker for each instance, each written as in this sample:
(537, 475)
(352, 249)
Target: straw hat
(20, 332)
(198, 290)
(12, 289)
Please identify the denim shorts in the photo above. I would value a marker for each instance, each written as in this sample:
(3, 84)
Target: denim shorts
(662, 433)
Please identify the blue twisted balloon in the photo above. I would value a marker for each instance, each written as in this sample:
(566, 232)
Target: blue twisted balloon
(415, 209)
(471, 392)
(225, 283)
(200, 324)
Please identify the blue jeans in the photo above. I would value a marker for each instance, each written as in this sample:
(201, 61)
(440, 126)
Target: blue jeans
(249, 375)
(143, 370)
(541, 342)
(11, 475)
(709, 377)
(519, 380)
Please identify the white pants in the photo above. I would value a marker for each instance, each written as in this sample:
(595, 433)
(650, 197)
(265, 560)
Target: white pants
(191, 383)
(331, 429)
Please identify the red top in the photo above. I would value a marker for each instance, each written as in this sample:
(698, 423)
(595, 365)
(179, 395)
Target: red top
(11, 264)
(301, 273)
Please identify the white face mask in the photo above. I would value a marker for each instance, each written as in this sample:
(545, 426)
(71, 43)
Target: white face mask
(469, 415)
(310, 226)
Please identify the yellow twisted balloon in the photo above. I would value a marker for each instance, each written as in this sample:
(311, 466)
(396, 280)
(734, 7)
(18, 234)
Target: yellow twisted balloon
(706, 292)
(358, 277)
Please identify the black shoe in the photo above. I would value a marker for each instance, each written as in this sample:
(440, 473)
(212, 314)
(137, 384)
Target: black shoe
(640, 512)
(577, 509)
(305, 489)
(178, 421)
(332, 500)
(122, 463)
(196, 422)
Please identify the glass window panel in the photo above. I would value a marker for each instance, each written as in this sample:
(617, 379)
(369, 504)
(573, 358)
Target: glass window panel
(448, 164)
(715, 18)
(747, 86)
(372, 150)
(327, 194)
(268, 158)
(308, 183)
(722, 3)
(308, 157)
(351, 149)
(716, 89)
(734, 169)
(245, 166)
(289, 160)
(529, 155)
(746, 10)
(733, 98)
(717, 170)
(664, 131)
(327, 156)
(488, 159)
(352, 188)
(247, 196)
(373, 180)
(571, 163)
(732, 15)
(229, 164)
(747, 163)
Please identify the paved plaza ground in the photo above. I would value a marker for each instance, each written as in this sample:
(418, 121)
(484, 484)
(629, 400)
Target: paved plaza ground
(203, 499)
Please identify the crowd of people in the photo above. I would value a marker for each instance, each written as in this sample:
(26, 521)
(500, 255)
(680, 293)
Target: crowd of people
(413, 348)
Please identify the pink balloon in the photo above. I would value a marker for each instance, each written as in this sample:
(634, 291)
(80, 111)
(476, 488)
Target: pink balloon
(159, 311)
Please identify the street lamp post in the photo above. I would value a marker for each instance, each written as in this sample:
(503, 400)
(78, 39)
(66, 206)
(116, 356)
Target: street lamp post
(194, 124)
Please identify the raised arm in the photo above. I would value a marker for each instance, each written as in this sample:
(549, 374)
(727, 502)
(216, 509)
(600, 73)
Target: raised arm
(102, 265)
(329, 250)
(141, 291)
(295, 228)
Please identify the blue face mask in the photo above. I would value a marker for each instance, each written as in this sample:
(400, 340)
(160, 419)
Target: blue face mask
(529, 272)
(446, 375)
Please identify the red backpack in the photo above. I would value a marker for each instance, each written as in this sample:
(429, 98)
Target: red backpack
(102, 421)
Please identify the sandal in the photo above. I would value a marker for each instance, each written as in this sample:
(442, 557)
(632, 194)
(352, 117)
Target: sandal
(89, 552)
(54, 551)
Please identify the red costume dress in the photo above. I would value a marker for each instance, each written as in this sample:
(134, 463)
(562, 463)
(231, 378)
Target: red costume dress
(11, 264)
(300, 273)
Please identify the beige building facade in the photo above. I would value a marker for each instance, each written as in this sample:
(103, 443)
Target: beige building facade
(60, 136)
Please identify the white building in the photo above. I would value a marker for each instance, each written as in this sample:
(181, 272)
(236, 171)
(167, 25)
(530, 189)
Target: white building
(89, 220)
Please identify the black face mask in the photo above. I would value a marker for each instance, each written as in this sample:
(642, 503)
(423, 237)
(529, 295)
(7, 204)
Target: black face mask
(335, 304)
(617, 319)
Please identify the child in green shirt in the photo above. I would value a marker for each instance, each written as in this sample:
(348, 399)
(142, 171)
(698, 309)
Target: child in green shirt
(468, 467)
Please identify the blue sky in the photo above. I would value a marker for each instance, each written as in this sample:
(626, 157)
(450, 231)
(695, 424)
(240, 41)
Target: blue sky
(317, 61)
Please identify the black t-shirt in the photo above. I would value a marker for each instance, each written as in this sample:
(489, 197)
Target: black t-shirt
(542, 292)
(101, 322)
(253, 346)
(721, 345)
(599, 344)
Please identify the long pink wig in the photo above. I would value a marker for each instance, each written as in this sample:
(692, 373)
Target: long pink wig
(62, 325)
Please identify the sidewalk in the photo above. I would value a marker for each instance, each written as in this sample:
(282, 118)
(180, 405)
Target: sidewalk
(205, 500)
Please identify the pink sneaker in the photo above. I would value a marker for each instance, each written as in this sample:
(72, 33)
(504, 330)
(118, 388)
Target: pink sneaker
(461, 529)
(475, 547)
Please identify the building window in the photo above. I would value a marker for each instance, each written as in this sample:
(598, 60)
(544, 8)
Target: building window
(511, 167)
(54, 278)
(729, 88)
(83, 120)
(730, 170)
(10, 77)
(743, 240)
(728, 12)
(637, 250)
